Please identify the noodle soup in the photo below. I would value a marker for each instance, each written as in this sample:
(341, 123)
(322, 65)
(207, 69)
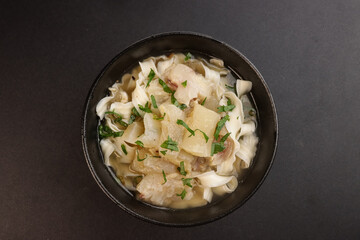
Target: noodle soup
(177, 130)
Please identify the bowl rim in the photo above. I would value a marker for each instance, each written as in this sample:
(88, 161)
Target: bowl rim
(86, 109)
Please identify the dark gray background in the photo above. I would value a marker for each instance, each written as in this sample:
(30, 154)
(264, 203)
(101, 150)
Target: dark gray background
(308, 52)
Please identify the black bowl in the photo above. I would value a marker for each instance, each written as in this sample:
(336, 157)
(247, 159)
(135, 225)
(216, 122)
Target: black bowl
(198, 44)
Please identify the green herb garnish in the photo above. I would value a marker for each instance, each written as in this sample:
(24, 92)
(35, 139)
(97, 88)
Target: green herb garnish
(204, 134)
(164, 152)
(156, 156)
(135, 112)
(124, 149)
(229, 87)
(139, 143)
(176, 103)
(187, 182)
(165, 86)
(219, 146)
(159, 118)
(118, 118)
(182, 123)
(150, 76)
(184, 83)
(188, 56)
(153, 101)
(170, 145)
(146, 108)
(220, 125)
(113, 113)
(140, 159)
(182, 194)
(227, 108)
(181, 169)
(203, 102)
(121, 122)
(165, 180)
(132, 119)
(105, 131)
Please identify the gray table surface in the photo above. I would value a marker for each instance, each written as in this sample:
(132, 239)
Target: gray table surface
(308, 52)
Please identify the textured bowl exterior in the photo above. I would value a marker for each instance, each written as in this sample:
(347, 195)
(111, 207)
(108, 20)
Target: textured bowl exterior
(194, 43)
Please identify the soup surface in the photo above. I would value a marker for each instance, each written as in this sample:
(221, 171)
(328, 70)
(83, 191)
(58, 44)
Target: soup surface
(177, 130)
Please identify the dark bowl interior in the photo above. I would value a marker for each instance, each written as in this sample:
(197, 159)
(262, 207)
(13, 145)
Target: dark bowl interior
(181, 42)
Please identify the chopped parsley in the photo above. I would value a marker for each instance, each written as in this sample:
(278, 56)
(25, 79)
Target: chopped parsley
(184, 83)
(150, 76)
(176, 103)
(229, 87)
(182, 123)
(114, 113)
(139, 143)
(124, 149)
(181, 169)
(105, 131)
(170, 145)
(182, 194)
(118, 118)
(165, 180)
(203, 102)
(188, 56)
(227, 108)
(217, 147)
(220, 125)
(165, 86)
(140, 159)
(121, 122)
(187, 181)
(163, 152)
(135, 112)
(146, 108)
(153, 101)
(159, 118)
(204, 134)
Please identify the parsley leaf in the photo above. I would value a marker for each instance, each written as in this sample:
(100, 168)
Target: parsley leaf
(165, 87)
(105, 131)
(203, 102)
(153, 101)
(182, 194)
(229, 87)
(139, 143)
(170, 145)
(219, 146)
(140, 159)
(159, 118)
(187, 181)
(227, 108)
(124, 149)
(150, 76)
(184, 83)
(182, 123)
(121, 122)
(164, 152)
(182, 169)
(146, 108)
(188, 56)
(220, 125)
(204, 134)
(135, 112)
(176, 103)
(113, 113)
(165, 180)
